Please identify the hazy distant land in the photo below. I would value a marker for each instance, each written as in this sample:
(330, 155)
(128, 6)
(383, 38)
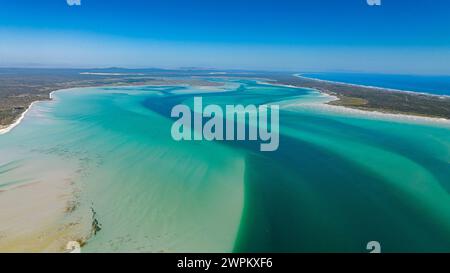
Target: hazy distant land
(20, 87)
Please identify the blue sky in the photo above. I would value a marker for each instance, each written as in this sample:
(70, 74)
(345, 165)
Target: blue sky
(400, 36)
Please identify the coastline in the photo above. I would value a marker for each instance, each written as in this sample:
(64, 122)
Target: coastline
(46, 219)
(341, 109)
(365, 112)
(369, 114)
(4, 129)
(370, 86)
(283, 85)
(22, 91)
(8, 128)
(50, 216)
(389, 101)
(49, 200)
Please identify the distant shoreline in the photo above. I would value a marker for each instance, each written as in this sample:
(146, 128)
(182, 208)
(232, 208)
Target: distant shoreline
(372, 113)
(400, 116)
(298, 75)
(45, 95)
(348, 95)
(371, 99)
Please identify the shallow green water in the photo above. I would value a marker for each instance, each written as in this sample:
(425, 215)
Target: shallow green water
(336, 182)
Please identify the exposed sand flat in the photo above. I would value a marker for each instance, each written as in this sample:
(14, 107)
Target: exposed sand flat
(324, 106)
(37, 214)
(112, 74)
(342, 110)
(29, 218)
(280, 85)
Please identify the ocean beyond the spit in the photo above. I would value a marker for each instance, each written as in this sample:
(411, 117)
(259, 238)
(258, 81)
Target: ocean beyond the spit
(430, 84)
(339, 179)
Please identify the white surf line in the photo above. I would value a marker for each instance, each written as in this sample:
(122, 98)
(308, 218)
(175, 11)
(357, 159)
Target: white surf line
(282, 85)
(298, 75)
(111, 74)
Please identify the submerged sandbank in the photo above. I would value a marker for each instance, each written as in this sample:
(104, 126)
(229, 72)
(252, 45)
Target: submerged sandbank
(37, 215)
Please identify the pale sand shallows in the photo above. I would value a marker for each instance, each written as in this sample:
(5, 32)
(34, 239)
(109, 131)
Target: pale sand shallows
(34, 217)
(37, 215)
(347, 111)
(31, 213)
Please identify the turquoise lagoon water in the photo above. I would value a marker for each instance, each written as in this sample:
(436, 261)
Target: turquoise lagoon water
(336, 182)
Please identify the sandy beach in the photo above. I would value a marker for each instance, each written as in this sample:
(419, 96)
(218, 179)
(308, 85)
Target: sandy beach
(325, 106)
(342, 110)
(6, 129)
